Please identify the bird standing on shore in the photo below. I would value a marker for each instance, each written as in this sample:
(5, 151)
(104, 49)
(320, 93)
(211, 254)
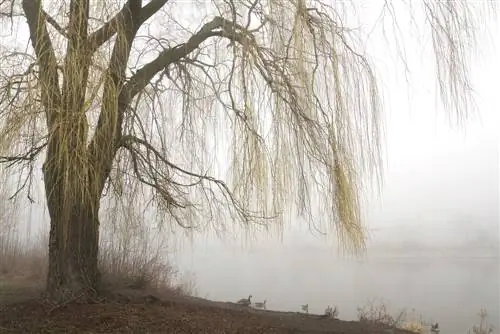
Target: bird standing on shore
(261, 305)
(245, 301)
(435, 328)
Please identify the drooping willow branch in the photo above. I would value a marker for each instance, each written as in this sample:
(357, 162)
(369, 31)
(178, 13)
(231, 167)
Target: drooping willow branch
(133, 144)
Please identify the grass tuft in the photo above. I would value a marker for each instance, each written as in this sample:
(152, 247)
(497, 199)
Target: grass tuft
(376, 313)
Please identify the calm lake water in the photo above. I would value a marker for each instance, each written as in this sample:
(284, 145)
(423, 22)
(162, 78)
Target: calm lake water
(448, 290)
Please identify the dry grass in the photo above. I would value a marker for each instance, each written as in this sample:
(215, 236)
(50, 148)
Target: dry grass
(484, 327)
(141, 267)
(376, 313)
(22, 258)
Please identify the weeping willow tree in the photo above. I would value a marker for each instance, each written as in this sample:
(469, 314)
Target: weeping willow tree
(119, 99)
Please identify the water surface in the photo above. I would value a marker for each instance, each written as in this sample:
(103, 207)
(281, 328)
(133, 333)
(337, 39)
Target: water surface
(447, 289)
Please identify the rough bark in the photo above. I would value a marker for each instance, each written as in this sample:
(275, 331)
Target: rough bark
(73, 240)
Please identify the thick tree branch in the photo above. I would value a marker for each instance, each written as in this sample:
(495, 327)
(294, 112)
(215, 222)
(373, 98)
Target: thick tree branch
(104, 33)
(217, 27)
(44, 51)
(76, 72)
(104, 143)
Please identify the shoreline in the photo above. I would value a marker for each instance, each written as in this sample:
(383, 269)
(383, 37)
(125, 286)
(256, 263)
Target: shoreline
(133, 310)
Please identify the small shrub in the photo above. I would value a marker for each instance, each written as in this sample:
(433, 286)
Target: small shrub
(187, 284)
(376, 313)
(413, 327)
(332, 312)
(484, 327)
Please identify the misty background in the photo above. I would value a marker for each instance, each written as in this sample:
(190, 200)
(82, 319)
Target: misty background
(433, 229)
(434, 232)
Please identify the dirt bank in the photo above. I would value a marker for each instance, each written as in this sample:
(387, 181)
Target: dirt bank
(133, 311)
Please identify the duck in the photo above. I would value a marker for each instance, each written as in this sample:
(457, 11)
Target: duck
(245, 301)
(261, 305)
(435, 328)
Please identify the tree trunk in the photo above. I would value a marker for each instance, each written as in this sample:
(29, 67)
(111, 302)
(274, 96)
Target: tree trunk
(73, 242)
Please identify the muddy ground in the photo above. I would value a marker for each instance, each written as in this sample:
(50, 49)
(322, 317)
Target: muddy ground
(125, 310)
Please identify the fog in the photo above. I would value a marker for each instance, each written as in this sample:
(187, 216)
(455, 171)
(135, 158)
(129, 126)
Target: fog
(433, 228)
(434, 232)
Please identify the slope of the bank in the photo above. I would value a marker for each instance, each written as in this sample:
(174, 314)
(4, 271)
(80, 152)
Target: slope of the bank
(131, 311)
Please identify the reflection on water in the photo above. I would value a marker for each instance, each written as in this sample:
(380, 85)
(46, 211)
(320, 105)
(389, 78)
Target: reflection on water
(449, 290)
